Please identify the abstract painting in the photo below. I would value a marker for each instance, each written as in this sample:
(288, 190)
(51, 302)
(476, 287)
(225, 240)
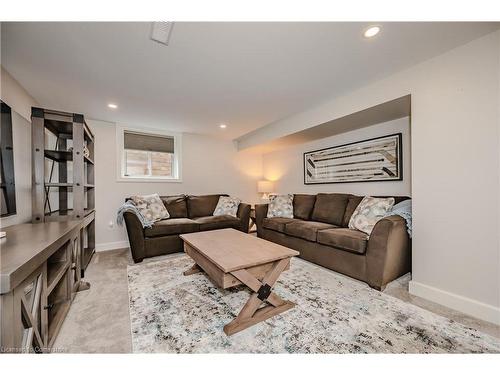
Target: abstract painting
(376, 159)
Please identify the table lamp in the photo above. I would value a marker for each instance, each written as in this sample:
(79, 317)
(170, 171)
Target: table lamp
(265, 187)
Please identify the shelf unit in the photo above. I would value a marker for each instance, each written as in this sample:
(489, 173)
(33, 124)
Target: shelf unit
(63, 175)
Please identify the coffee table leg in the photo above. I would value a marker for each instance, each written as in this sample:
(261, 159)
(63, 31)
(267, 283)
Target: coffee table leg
(192, 270)
(251, 314)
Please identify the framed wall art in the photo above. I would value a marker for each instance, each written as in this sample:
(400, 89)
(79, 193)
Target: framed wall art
(376, 159)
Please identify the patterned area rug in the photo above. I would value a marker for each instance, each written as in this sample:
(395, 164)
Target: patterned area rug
(172, 313)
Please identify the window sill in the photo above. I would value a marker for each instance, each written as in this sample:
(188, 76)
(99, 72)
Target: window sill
(148, 179)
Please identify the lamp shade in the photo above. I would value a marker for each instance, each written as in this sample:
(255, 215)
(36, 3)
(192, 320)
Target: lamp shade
(265, 186)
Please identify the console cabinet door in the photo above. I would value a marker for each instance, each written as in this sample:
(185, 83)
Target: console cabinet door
(75, 264)
(30, 318)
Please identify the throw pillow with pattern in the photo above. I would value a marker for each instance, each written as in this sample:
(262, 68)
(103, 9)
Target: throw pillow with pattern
(280, 206)
(227, 206)
(369, 211)
(151, 207)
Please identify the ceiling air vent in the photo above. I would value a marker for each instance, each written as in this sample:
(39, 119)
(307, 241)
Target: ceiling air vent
(161, 31)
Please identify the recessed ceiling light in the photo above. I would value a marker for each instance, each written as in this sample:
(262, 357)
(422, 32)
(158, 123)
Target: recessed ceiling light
(222, 126)
(112, 106)
(371, 31)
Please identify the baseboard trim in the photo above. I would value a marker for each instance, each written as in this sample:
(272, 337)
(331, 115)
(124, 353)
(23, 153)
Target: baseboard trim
(107, 246)
(457, 302)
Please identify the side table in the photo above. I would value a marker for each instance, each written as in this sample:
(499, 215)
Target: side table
(253, 223)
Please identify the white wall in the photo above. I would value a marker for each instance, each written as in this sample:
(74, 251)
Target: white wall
(286, 166)
(20, 102)
(210, 165)
(455, 169)
(15, 95)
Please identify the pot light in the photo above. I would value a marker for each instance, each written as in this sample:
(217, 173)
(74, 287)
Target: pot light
(112, 106)
(222, 126)
(371, 31)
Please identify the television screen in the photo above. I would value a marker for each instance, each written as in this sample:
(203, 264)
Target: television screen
(7, 181)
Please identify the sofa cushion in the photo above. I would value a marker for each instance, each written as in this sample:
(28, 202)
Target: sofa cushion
(218, 222)
(276, 223)
(306, 230)
(202, 205)
(303, 205)
(176, 205)
(352, 203)
(330, 208)
(345, 239)
(171, 226)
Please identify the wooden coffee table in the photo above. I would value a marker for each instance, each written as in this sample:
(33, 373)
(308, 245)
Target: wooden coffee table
(229, 258)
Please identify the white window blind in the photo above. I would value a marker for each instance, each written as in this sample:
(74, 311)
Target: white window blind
(148, 142)
(148, 155)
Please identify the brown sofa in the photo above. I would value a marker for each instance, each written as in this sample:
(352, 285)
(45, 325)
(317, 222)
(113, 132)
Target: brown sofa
(188, 213)
(319, 231)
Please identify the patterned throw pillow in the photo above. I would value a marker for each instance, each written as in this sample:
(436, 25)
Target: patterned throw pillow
(151, 207)
(227, 206)
(280, 206)
(368, 212)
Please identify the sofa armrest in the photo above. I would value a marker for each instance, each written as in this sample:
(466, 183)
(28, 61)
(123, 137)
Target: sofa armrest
(244, 216)
(388, 252)
(135, 234)
(260, 214)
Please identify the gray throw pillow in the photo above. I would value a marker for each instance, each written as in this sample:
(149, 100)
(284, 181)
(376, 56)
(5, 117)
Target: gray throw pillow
(280, 206)
(151, 207)
(368, 212)
(227, 206)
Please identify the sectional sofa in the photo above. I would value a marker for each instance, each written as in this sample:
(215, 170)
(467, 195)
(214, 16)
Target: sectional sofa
(188, 213)
(319, 231)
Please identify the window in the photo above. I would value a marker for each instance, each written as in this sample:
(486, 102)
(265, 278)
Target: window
(148, 155)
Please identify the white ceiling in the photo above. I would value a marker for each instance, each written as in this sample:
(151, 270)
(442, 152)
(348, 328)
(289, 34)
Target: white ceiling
(245, 75)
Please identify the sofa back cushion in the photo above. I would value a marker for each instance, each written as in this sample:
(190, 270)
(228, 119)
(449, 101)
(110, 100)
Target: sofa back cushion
(398, 199)
(352, 203)
(303, 205)
(330, 208)
(202, 205)
(176, 205)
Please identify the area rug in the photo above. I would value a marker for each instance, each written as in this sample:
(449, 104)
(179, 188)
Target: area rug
(172, 313)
